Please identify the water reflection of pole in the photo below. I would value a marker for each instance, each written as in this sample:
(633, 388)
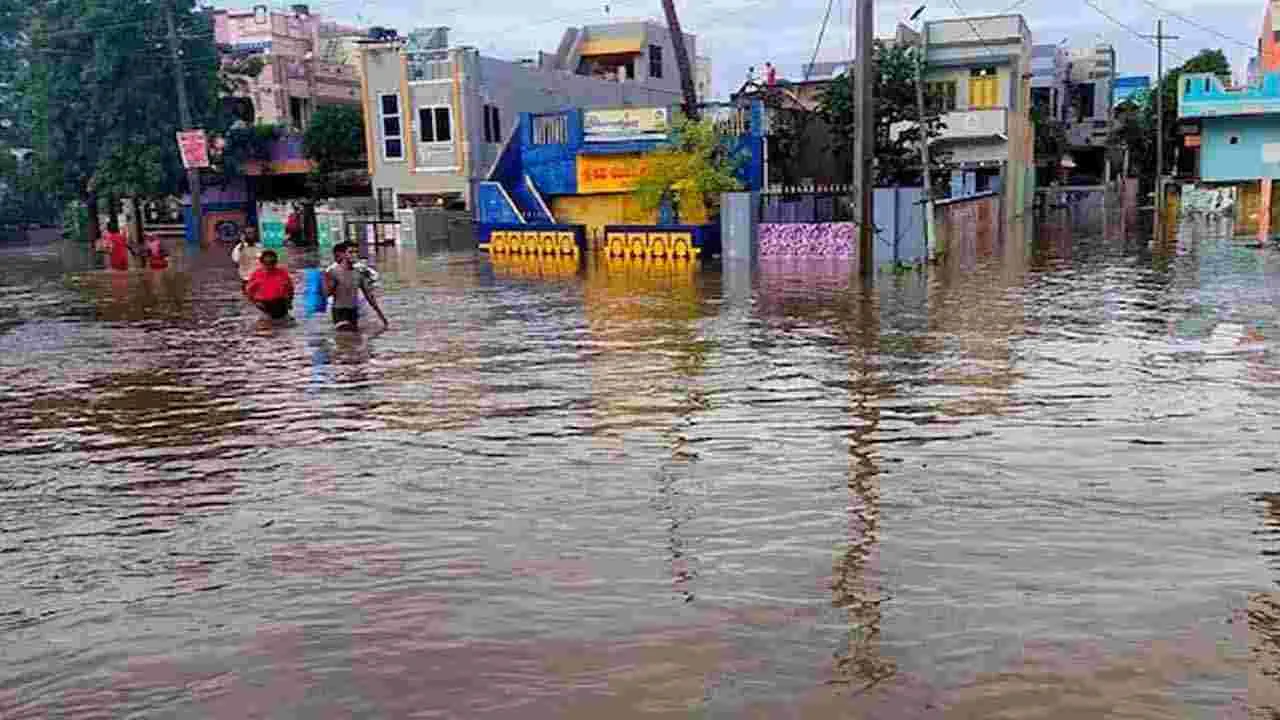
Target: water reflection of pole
(855, 586)
(1264, 627)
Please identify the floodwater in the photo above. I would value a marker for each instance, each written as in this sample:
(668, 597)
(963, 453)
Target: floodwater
(1042, 480)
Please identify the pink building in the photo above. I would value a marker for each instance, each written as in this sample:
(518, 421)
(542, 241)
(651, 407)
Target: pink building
(309, 62)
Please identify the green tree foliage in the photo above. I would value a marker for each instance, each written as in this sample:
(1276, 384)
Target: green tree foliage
(1051, 140)
(697, 163)
(101, 85)
(335, 138)
(791, 134)
(897, 146)
(1135, 126)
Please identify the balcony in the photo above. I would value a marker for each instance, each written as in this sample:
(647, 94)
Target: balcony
(980, 124)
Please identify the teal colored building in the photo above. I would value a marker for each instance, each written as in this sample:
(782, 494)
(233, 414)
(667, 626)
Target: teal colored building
(1239, 129)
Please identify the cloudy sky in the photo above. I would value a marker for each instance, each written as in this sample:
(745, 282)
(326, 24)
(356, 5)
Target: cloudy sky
(741, 33)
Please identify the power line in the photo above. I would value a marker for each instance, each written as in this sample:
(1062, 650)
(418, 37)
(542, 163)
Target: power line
(1130, 29)
(1014, 6)
(974, 28)
(818, 45)
(1201, 26)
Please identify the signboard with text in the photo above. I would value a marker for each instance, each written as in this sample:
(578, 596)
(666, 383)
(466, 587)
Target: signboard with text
(194, 147)
(628, 124)
(609, 173)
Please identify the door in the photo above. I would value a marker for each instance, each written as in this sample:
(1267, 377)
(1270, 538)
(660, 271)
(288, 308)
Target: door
(984, 91)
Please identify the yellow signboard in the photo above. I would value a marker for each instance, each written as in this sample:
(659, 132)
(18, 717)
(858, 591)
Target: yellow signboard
(609, 173)
(628, 124)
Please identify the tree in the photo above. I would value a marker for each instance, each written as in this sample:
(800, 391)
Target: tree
(100, 82)
(698, 163)
(1135, 126)
(897, 133)
(335, 138)
(1051, 140)
(791, 126)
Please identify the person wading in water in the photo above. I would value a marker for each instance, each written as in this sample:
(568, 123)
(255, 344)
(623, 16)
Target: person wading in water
(343, 281)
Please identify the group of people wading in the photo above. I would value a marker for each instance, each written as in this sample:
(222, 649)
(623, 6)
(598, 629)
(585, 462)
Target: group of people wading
(269, 287)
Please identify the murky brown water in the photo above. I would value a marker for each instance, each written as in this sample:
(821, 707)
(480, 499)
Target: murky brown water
(1039, 484)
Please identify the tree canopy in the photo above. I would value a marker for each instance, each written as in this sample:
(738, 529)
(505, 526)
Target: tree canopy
(1135, 126)
(897, 142)
(697, 164)
(99, 80)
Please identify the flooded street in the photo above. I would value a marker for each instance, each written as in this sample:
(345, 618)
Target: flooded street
(1039, 481)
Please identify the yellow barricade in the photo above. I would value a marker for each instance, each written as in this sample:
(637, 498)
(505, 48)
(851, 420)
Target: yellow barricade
(654, 244)
(532, 242)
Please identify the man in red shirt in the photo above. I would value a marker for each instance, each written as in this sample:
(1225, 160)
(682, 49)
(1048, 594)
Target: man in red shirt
(270, 288)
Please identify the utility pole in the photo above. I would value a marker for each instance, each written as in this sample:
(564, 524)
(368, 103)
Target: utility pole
(923, 49)
(682, 61)
(184, 114)
(864, 137)
(1160, 37)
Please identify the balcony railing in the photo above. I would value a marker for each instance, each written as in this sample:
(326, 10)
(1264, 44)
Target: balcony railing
(976, 124)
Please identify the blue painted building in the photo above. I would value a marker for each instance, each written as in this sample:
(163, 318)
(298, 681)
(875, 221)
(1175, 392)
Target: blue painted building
(577, 168)
(1130, 85)
(1239, 129)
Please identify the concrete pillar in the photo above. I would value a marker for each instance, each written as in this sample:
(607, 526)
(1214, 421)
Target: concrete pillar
(1264, 212)
(738, 225)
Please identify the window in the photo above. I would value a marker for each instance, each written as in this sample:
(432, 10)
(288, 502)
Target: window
(941, 96)
(984, 88)
(655, 61)
(392, 134)
(550, 130)
(492, 124)
(435, 125)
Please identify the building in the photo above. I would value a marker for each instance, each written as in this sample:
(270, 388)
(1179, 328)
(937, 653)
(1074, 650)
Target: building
(1050, 81)
(1237, 135)
(579, 167)
(308, 62)
(628, 52)
(702, 78)
(1128, 86)
(978, 73)
(437, 116)
(1269, 39)
(1093, 72)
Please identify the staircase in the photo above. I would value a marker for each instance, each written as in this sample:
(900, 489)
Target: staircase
(526, 197)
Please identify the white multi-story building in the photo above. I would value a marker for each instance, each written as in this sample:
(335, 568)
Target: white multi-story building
(1093, 74)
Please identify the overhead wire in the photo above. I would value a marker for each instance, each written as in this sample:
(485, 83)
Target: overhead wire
(822, 30)
(972, 26)
(1200, 26)
(1132, 31)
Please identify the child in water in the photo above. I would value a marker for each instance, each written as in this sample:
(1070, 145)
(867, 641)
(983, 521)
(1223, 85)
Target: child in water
(270, 288)
(117, 245)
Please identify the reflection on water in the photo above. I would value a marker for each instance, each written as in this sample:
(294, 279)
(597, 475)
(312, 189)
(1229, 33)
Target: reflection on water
(1037, 479)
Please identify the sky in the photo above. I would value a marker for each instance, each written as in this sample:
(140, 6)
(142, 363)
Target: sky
(738, 34)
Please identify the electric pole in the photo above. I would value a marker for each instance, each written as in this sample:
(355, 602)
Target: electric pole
(922, 48)
(1160, 37)
(864, 136)
(184, 114)
(682, 61)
